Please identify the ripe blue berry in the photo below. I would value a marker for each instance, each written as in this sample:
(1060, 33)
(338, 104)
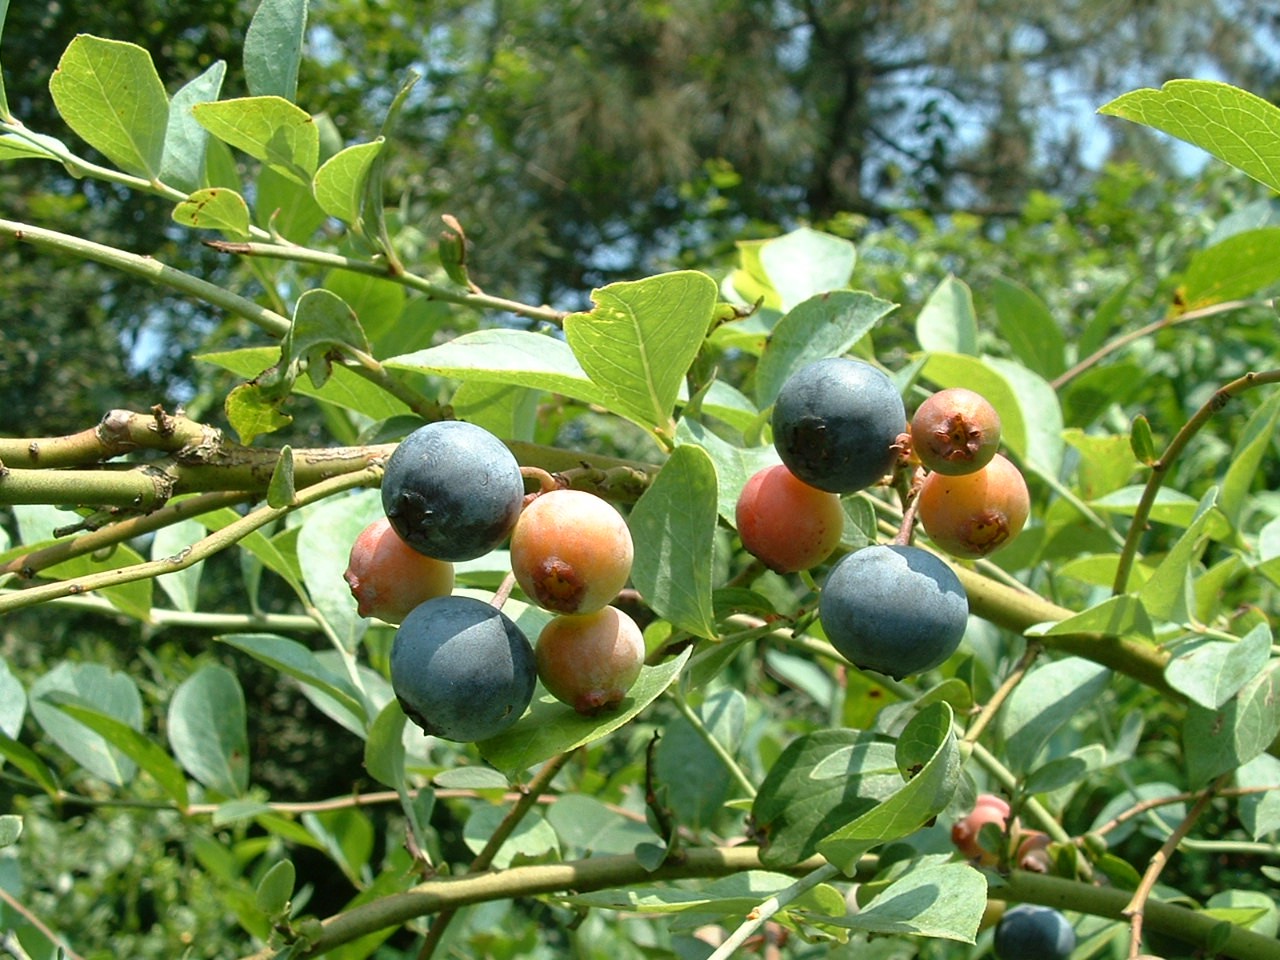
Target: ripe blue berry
(894, 609)
(452, 490)
(1032, 932)
(836, 423)
(462, 669)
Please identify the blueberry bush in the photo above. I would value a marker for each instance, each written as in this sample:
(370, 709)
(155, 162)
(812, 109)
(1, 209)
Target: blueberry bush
(783, 773)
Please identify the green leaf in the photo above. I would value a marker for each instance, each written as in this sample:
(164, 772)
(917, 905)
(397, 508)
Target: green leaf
(947, 322)
(1066, 771)
(185, 141)
(322, 326)
(1235, 126)
(132, 599)
(532, 837)
(172, 541)
(273, 48)
(380, 304)
(1167, 594)
(1048, 697)
(341, 181)
(286, 207)
(1029, 328)
(281, 491)
(928, 755)
(1242, 471)
(698, 801)
(584, 822)
(1141, 442)
(215, 208)
(638, 341)
(674, 525)
(472, 778)
(13, 701)
(804, 263)
(10, 824)
(275, 889)
(344, 388)
(292, 658)
(1171, 506)
(208, 731)
(26, 760)
(820, 782)
(1120, 616)
(109, 93)
(1239, 266)
(270, 129)
(944, 900)
(1260, 812)
(384, 753)
(252, 413)
(31, 145)
(139, 748)
(1217, 741)
(507, 356)
(734, 465)
(113, 693)
(550, 727)
(827, 325)
(1211, 672)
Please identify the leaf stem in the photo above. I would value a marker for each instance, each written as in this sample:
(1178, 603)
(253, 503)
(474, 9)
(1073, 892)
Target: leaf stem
(198, 551)
(372, 268)
(691, 716)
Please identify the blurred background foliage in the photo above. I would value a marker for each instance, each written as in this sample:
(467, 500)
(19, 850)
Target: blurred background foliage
(579, 143)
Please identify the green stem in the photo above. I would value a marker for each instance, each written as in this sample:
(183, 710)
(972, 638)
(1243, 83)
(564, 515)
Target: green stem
(152, 270)
(1193, 926)
(466, 298)
(580, 876)
(739, 775)
(529, 796)
(201, 550)
(766, 911)
(1160, 469)
(1044, 819)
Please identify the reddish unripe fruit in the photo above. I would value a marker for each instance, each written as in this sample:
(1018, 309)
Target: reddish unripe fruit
(590, 661)
(1033, 852)
(786, 523)
(571, 551)
(973, 515)
(389, 578)
(956, 431)
(965, 832)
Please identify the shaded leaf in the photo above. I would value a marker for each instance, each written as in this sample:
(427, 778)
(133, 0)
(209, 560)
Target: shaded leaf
(943, 900)
(1217, 741)
(1029, 328)
(208, 730)
(268, 128)
(292, 658)
(1210, 672)
(1048, 697)
(110, 692)
(185, 141)
(673, 525)
(341, 181)
(273, 48)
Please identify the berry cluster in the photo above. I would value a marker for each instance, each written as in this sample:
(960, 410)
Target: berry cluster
(838, 427)
(461, 668)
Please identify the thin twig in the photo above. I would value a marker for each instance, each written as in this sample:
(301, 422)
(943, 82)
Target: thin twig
(1136, 907)
(992, 706)
(528, 798)
(1160, 469)
(39, 924)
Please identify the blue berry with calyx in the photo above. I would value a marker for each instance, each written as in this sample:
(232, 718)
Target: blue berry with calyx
(452, 490)
(836, 424)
